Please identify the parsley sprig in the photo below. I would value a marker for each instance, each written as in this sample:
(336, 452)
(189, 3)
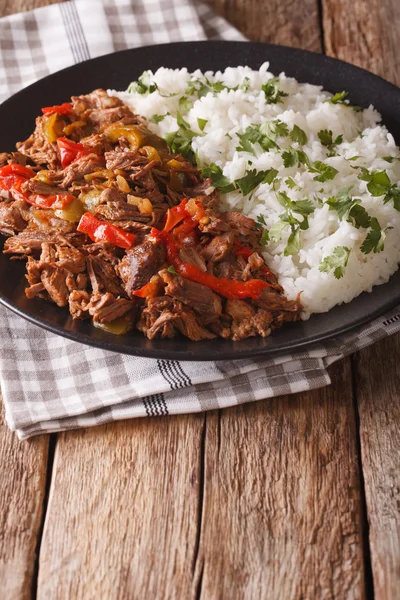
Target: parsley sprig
(324, 172)
(246, 184)
(341, 98)
(326, 138)
(347, 206)
(273, 95)
(265, 135)
(375, 239)
(336, 262)
(304, 208)
(379, 184)
(180, 141)
(292, 157)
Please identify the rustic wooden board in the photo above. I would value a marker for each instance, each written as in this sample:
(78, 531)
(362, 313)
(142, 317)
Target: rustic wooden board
(379, 409)
(123, 511)
(281, 515)
(23, 481)
(367, 34)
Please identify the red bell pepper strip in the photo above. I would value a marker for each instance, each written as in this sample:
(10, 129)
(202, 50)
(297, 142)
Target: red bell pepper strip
(14, 169)
(169, 245)
(185, 230)
(147, 290)
(228, 288)
(60, 109)
(175, 215)
(100, 231)
(70, 151)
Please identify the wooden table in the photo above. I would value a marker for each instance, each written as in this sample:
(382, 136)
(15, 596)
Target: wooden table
(292, 498)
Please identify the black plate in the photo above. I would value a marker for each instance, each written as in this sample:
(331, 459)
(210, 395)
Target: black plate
(116, 71)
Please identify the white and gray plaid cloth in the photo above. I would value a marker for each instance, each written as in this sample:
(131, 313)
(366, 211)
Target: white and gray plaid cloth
(52, 384)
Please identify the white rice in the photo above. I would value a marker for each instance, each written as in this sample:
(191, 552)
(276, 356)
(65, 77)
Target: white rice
(230, 112)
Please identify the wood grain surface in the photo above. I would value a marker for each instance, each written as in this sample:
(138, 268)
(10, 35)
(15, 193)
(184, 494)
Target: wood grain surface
(264, 500)
(367, 34)
(123, 511)
(23, 481)
(379, 409)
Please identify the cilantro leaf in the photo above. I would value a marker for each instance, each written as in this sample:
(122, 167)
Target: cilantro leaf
(214, 172)
(298, 135)
(336, 262)
(338, 98)
(391, 159)
(245, 85)
(324, 172)
(247, 139)
(185, 104)
(253, 179)
(303, 207)
(270, 176)
(171, 269)
(379, 184)
(143, 85)
(273, 95)
(342, 202)
(378, 181)
(293, 243)
(359, 217)
(261, 220)
(290, 182)
(158, 118)
(202, 123)
(375, 239)
(341, 98)
(326, 139)
(294, 157)
(204, 87)
(180, 143)
(276, 231)
(274, 128)
(264, 237)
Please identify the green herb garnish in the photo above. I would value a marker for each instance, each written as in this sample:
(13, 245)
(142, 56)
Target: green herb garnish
(336, 262)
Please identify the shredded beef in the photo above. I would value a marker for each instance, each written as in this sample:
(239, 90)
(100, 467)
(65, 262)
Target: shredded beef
(164, 317)
(12, 217)
(131, 188)
(199, 297)
(140, 264)
(219, 247)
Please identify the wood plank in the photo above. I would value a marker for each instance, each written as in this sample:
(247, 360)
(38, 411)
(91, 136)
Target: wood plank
(364, 33)
(378, 382)
(367, 34)
(122, 514)
(9, 7)
(281, 515)
(286, 22)
(23, 481)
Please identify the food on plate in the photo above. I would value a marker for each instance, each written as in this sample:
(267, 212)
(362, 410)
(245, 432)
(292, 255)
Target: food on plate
(122, 230)
(235, 202)
(319, 175)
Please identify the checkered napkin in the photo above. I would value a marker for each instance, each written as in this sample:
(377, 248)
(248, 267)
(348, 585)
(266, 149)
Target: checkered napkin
(52, 384)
